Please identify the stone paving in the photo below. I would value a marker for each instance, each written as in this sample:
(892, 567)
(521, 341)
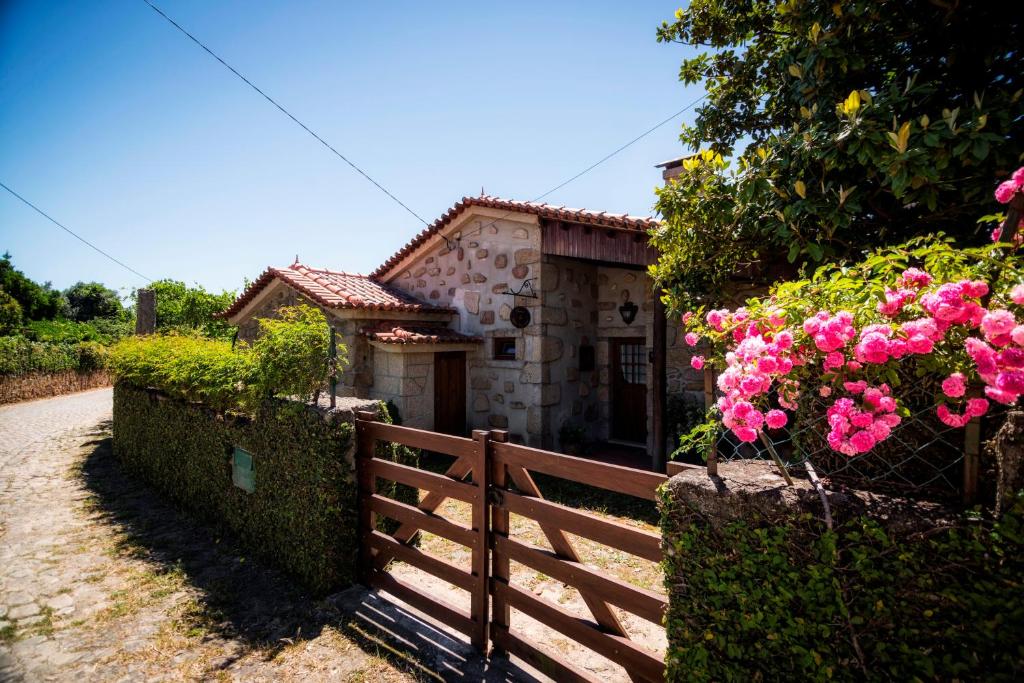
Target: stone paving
(100, 580)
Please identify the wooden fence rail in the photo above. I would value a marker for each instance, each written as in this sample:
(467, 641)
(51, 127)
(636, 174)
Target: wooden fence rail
(493, 476)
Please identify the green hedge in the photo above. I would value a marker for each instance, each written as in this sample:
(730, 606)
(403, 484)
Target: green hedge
(770, 599)
(302, 515)
(18, 356)
(289, 358)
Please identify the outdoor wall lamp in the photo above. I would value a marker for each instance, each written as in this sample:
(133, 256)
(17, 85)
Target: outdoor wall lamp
(628, 312)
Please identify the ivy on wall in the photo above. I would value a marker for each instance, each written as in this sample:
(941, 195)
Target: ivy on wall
(302, 516)
(786, 599)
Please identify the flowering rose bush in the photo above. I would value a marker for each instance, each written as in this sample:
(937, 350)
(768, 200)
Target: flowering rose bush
(850, 333)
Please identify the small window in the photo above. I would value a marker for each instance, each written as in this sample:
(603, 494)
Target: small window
(504, 348)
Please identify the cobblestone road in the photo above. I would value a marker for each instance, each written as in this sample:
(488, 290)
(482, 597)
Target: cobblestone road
(100, 580)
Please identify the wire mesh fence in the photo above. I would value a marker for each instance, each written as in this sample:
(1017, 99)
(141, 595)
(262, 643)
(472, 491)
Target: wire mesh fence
(921, 457)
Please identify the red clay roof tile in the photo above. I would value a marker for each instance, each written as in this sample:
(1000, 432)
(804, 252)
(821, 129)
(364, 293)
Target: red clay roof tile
(391, 332)
(335, 289)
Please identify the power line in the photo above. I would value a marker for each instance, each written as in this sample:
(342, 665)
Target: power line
(597, 163)
(287, 113)
(638, 138)
(73, 233)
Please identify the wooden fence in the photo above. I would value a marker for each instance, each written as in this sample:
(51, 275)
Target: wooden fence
(494, 477)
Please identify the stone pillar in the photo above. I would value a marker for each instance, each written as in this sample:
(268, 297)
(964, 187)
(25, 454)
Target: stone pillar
(145, 311)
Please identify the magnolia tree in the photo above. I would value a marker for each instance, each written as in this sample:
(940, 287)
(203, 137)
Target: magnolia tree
(848, 334)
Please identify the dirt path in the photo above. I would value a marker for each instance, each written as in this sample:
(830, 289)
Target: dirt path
(101, 580)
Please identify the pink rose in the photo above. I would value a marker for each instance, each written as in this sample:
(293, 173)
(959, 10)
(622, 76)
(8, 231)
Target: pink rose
(746, 434)
(976, 407)
(1017, 295)
(692, 338)
(697, 362)
(776, 419)
(954, 386)
(1005, 191)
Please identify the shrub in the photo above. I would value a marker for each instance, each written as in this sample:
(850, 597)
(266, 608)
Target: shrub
(290, 359)
(18, 356)
(852, 333)
(291, 352)
(10, 313)
(103, 330)
(763, 598)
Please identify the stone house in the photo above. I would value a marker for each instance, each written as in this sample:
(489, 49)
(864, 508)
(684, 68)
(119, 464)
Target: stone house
(503, 314)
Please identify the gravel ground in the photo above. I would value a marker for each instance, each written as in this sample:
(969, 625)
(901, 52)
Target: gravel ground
(102, 581)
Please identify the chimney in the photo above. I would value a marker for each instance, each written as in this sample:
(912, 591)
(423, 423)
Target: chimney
(671, 168)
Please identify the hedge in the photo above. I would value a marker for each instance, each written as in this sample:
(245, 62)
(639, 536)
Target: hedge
(302, 515)
(767, 598)
(289, 359)
(19, 356)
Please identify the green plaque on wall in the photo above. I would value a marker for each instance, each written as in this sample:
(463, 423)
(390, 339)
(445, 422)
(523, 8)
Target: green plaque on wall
(243, 473)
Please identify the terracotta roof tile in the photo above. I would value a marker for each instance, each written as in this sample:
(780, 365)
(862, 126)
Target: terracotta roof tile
(549, 211)
(335, 289)
(391, 332)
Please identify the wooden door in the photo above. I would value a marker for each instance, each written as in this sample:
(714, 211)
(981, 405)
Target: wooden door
(450, 392)
(629, 390)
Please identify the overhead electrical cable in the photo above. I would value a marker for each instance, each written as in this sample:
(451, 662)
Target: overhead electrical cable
(74, 234)
(287, 113)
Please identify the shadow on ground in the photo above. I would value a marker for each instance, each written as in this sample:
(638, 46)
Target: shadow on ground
(260, 607)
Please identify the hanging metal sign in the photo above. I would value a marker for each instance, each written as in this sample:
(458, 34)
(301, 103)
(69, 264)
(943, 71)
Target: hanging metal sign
(520, 316)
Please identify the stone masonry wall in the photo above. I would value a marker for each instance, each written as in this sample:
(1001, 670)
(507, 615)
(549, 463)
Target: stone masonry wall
(569, 320)
(408, 380)
(494, 253)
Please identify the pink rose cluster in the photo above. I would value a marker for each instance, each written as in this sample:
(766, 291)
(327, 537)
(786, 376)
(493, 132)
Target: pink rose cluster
(907, 286)
(766, 356)
(1004, 195)
(759, 362)
(857, 424)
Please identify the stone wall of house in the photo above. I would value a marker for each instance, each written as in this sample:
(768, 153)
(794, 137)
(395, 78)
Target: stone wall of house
(493, 254)
(407, 379)
(568, 320)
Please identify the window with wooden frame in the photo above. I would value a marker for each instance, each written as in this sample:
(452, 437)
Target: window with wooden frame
(504, 348)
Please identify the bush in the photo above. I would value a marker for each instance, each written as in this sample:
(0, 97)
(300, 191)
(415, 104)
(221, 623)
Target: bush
(18, 356)
(771, 599)
(10, 313)
(103, 330)
(291, 352)
(289, 359)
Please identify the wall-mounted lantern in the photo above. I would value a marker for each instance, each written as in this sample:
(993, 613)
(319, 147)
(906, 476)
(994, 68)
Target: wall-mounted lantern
(628, 312)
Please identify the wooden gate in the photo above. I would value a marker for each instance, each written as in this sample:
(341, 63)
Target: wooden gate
(500, 485)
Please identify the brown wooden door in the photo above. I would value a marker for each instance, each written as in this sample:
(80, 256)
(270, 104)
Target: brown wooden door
(629, 390)
(450, 392)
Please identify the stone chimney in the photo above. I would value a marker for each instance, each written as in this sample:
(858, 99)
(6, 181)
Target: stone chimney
(671, 168)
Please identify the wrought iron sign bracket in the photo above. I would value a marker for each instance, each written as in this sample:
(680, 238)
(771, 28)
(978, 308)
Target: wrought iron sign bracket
(527, 285)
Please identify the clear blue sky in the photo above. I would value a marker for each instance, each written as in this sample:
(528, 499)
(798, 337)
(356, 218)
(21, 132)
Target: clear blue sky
(128, 133)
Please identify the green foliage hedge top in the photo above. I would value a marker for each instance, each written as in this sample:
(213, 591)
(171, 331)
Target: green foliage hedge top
(18, 355)
(777, 600)
(289, 358)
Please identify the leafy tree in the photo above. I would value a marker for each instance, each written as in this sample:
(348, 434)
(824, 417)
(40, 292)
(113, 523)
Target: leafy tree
(38, 302)
(10, 313)
(832, 127)
(90, 300)
(184, 308)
